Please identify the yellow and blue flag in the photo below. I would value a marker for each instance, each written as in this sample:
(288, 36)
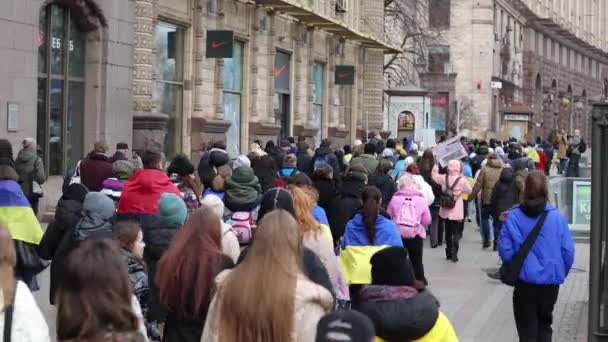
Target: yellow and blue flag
(17, 215)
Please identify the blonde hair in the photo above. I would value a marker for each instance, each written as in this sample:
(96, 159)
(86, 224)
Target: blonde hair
(8, 260)
(244, 313)
(407, 182)
(303, 202)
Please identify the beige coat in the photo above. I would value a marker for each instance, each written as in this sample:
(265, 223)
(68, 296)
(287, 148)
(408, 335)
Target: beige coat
(312, 301)
(488, 177)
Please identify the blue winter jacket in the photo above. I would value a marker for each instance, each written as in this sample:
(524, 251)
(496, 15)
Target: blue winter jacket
(552, 254)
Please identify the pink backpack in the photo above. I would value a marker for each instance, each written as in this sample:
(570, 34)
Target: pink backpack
(407, 219)
(242, 225)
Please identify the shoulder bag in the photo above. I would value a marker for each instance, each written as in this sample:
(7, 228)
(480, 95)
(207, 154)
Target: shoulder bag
(509, 271)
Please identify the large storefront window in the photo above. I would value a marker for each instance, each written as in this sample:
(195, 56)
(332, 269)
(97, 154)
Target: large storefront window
(170, 82)
(318, 80)
(60, 101)
(281, 102)
(233, 86)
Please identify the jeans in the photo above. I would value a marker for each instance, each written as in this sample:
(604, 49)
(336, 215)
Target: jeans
(573, 170)
(436, 227)
(563, 165)
(414, 249)
(486, 216)
(533, 310)
(453, 234)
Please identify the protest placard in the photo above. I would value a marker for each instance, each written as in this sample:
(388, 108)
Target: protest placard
(450, 149)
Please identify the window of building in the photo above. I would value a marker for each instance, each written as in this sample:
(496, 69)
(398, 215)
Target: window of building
(233, 87)
(597, 71)
(590, 65)
(60, 103)
(345, 95)
(170, 83)
(282, 88)
(439, 13)
(318, 80)
(439, 58)
(568, 57)
(584, 65)
(547, 47)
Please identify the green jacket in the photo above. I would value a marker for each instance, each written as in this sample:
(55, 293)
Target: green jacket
(369, 162)
(243, 186)
(30, 168)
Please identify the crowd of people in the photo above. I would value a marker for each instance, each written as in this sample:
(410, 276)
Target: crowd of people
(325, 244)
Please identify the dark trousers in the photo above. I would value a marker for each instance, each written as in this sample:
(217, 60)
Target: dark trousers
(533, 310)
(486, 214)
(33, 199)
(453, 234)
(573, 170)
(497, 227)
(436, 227)
(414, 249)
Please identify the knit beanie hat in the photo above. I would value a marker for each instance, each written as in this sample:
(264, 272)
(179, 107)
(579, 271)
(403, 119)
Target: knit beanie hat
(122, 169)
(240, 161)
(345, 326)
(391, 266)
(172, 210)
(215, 204)
(181, 166)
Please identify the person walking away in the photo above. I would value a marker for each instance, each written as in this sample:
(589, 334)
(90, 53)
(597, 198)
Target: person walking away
(315, 237)
(549, 152)
(421, 185)
(186, 273)
(451, 210)
(181, 173)
(562, 150)
(140, 196)
(130, 238)
(96, 167)
(410, 212)
(503, 199)
(348, 325)
(348, 202)
(6, 153)
(323, 182)
(542, 159)
(520, 173)
(218, 184)
(243, 193)
(57, 239)
(367, 159)
(425, 166)
(486, 181)
(546, 265)
(30, 168)
(291, 304)
(18, 217)
(112, 187)
(576, 147)
(368, 232)
(230, 243)
(480, 156)
(398, 307)
(122, 153)
(382, 180)
(101, 310)
(210, 162)
(158, 235)
(288, 169)
(19, 313)
(304, 160)
(325, 155)
(348, 155)
(264, 167)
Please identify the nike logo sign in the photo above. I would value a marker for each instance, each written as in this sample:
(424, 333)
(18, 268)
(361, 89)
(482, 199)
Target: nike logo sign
(279, 71)
(215, 45)
(342, 75)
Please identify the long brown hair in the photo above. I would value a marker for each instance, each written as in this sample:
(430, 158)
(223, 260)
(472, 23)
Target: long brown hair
(95, 293)
(8, 260)
(372, 197)
(536, 186)
(243, 312)
(304, 202)
(187, 270)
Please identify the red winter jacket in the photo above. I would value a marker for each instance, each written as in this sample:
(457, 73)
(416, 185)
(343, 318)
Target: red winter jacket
(542, 161)
(143, 190)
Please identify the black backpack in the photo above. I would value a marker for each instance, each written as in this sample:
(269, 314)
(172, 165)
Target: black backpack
(582, 147)
(447, 199)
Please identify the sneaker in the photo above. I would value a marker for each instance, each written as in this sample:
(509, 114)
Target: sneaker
(494, 275)
(486, 245)
(454, 258)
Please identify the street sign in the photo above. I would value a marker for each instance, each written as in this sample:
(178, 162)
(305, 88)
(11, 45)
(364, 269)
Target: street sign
(496, 85)
(220, 44)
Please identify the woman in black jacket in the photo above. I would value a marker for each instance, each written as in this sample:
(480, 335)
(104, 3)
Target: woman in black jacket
(323, 181)
(503, 199)
(348, 202)
(384, 182)
(425, 165)
(56, 243)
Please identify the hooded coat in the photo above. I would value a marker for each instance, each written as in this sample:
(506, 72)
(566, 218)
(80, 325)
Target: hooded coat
(97, 218)
(94, 170)
(30, 169)
(423, 213)
(487, 179)
(481, 155)
(304, 163)
(520, 173)
(387, 186)
(460, 188)
(327, 191)
(325, 152)
(265, 169)
(143, 190)
(368, 161)
(504, 196)
(552, 254)
(138, 279)
(57, 242)
(242, 190)
(346, 204)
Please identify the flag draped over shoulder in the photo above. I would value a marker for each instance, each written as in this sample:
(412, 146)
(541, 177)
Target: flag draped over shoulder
(17, 215)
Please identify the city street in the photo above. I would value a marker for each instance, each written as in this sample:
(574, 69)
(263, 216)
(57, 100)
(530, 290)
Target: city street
(480, 308)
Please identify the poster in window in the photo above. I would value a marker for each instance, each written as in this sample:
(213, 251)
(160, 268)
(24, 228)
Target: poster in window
(345, 74)
(220, 44)
(406, 121)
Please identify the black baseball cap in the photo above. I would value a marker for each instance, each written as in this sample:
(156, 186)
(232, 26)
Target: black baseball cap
(345, 326)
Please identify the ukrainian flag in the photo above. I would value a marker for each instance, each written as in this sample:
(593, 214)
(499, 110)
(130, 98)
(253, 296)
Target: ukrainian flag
(17, 215)
(442, 331)
(357, 251)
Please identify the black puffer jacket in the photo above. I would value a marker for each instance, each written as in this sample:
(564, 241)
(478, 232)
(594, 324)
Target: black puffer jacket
(304, 163)
(57, 241)
(387, 186)
(265, 169)
(325, 152)
(327, 192)
(398, 313)
(504, 197)
(345, 205)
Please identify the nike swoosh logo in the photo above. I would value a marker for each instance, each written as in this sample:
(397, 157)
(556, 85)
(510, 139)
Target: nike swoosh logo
(342, 75)
(215, 45)
(279, 71)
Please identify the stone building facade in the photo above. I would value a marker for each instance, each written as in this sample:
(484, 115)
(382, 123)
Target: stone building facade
(518, 68)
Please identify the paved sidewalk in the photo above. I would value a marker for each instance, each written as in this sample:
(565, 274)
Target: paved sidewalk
(481, 308)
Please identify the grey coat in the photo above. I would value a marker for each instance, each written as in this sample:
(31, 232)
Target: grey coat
(97, 217)
(30, 168)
